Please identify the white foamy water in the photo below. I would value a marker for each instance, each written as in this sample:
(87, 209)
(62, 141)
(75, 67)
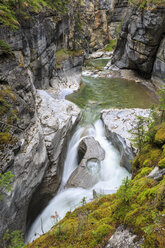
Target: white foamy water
(111, 176)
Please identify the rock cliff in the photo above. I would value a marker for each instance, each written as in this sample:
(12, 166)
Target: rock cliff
(141, 43)
(34, 133)
(33, 143)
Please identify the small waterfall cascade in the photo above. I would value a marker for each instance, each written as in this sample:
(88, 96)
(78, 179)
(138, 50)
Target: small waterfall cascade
(111, 175)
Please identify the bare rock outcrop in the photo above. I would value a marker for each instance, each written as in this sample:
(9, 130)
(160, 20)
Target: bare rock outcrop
(123, 238)
(158, 73)
(118, 125)
(140, 38)
(90, 155)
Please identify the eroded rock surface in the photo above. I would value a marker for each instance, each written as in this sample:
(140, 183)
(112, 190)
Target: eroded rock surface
(123, 238)
(118, 124)
(158, 73)
(141, 35)
(157, 173)
(90, 155)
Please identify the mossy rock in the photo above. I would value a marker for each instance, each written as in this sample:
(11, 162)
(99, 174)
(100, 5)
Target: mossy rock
(160, 135)
(148, 157)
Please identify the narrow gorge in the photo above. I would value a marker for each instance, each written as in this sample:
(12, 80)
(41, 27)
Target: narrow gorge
(77, 130)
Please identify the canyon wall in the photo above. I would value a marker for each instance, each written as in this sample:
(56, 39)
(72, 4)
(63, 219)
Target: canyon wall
(141, 43)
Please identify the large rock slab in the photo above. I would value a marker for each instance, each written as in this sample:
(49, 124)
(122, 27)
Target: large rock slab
(118, 124)
(86, 174)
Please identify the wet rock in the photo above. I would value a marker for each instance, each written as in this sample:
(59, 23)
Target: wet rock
(58, 119)
(87, 173)
(123, 238)
(86, 147)
(118, 124)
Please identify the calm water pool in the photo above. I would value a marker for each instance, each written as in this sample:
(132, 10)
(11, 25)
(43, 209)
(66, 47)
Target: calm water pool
(96, 94)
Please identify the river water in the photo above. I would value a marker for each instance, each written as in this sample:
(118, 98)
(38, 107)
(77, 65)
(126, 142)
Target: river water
(94, 95)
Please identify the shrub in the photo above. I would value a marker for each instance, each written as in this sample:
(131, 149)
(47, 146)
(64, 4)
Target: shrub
(6, 180)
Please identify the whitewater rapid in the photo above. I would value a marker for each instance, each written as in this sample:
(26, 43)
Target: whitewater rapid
(110, 178)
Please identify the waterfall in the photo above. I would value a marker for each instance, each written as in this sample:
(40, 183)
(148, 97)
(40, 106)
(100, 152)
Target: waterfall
(111, 176)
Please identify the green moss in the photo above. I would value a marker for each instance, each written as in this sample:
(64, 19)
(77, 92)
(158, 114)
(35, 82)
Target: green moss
(161, 163)
(138, 204)
(5, 138)
(149, 157)
(101, 231)
(143, 172)
(160, 135)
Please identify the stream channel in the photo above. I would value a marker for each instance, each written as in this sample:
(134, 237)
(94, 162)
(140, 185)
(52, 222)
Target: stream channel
(94, 95)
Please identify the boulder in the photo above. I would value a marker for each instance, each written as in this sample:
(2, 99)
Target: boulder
(86, 174)
(157, 174)
(123, 238)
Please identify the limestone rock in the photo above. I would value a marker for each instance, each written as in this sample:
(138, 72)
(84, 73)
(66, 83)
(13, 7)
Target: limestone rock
(28, 167)
(58, 119)
(86, 174)
(37, 161)
(123, 238)
(158, 73)
(118, 124)
(139, 40)
(86, 147)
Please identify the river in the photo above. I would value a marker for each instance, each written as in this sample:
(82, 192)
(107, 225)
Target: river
(94, 95)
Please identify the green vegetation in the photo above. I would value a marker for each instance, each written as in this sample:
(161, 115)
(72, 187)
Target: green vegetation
(5, 47)
(64, 54)
(111, 46)
(139, 204)
(147, 3)
(8, 115)
(6, 180)
(13, 11)
(13, 240)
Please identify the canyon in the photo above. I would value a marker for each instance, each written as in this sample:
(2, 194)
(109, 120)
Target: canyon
(47, 55)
